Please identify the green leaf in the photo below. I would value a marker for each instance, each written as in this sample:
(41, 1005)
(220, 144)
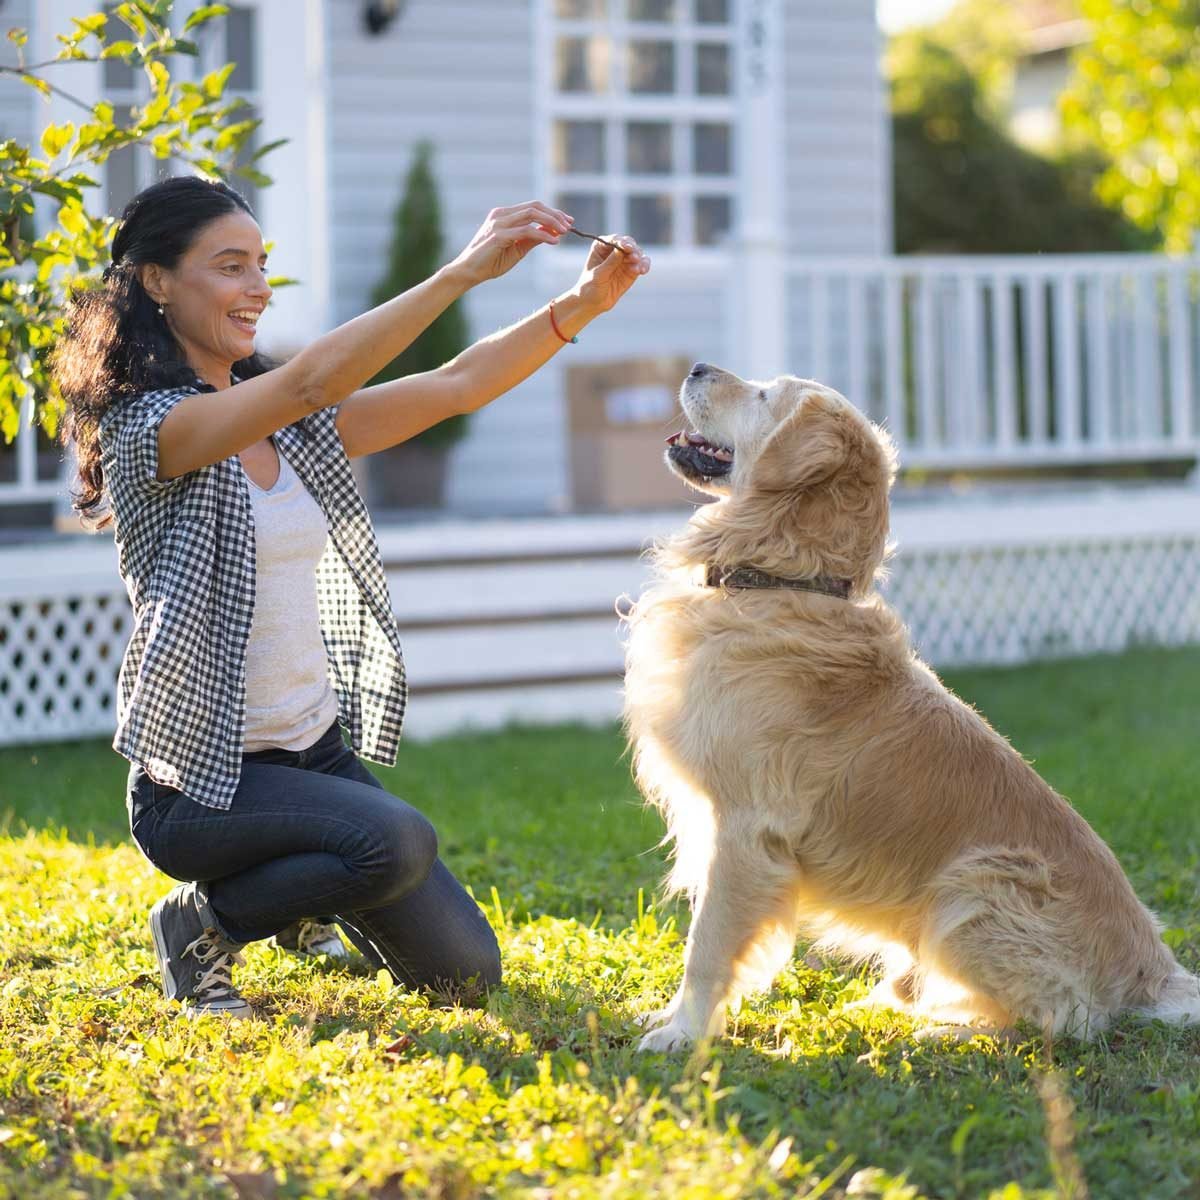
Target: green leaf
(262, 150)
(214, 82)
(132, 16)
(34, 82)
(119, 50)
(205, 13)
(55, 138)
(93, 24)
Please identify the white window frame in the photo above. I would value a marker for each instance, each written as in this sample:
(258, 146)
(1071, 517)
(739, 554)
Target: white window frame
(616, 106)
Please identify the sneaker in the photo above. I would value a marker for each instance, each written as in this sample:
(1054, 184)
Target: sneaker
(312, 937)
(195, 959)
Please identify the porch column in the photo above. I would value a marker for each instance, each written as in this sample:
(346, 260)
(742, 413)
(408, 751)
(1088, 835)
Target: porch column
(759, 292)
(295, 212)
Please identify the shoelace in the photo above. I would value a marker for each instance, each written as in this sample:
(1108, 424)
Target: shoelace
(216, 983)
(311, 933)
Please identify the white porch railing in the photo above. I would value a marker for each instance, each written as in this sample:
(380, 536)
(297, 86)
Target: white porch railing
(976, 361)
(1015, 360)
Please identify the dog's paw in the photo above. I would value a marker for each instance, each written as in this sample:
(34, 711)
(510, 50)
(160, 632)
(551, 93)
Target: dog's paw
(666, 1039)
(655, 1018)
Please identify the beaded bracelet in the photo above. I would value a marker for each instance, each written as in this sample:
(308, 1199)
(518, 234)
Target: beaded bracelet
(554, 325)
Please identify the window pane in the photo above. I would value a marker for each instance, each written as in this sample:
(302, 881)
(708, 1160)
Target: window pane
(651, 67)
(712, 70)
(588, 209)
(650, 220)
(118, 76)
(240, 45)
(648, 147)
(652, 10)
(713, 219)
(579, 146)
(712, 152)
(122, 167)
(576, 9)
(582, 64)
(712, 12)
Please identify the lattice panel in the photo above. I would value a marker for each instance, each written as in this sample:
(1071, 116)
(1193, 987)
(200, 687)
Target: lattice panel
(1018, 604)
(59, 655)
(59, 658)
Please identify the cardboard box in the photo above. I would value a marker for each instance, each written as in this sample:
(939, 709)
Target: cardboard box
(619, 417)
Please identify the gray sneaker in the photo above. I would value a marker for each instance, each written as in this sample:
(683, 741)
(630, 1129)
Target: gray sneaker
(312, 936)
(195, 959)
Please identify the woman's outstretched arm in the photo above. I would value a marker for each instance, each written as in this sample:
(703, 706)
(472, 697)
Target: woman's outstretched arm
(206, 428)
(377, 417)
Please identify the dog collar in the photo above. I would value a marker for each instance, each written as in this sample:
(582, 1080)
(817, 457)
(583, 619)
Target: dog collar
(733, 578)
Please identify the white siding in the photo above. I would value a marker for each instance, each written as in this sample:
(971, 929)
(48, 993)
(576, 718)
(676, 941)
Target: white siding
(16, 98)
(838, 168)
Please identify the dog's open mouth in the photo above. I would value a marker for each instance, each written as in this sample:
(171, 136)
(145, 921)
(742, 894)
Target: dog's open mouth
(696, 456)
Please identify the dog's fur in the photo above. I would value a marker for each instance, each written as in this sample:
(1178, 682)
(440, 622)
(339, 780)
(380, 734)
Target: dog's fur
(814, 774)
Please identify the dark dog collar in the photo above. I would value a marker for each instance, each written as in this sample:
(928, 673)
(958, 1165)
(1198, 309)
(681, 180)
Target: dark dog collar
(732, 578)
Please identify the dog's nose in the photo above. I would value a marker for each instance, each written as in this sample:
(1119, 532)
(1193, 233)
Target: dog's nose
(698, 370)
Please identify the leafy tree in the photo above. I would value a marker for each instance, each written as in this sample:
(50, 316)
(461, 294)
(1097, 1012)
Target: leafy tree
(192, 123)
(962, 185)
(415, 254)
(1135, 95)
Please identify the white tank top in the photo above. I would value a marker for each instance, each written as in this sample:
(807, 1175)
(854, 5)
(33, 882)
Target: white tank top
(289, 700)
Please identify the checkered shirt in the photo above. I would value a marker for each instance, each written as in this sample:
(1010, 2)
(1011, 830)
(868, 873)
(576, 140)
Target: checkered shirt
(187, 559)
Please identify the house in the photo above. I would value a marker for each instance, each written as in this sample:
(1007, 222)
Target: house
(726, 135)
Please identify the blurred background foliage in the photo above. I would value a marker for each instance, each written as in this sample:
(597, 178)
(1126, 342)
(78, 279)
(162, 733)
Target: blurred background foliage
(964, 182)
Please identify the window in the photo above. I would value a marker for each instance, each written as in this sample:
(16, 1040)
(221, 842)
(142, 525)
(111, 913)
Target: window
(643, 118)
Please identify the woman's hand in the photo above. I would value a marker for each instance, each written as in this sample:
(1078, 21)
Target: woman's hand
(608, 274)
(507, 236)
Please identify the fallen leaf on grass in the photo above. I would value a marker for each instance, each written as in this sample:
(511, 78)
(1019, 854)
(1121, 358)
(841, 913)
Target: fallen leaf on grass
(251, 1186)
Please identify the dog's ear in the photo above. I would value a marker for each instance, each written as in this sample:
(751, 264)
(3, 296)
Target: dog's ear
(808, 447)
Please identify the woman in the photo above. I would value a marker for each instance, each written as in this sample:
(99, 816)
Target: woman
(261, 615)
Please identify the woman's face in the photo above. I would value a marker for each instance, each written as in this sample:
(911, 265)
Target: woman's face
(215, 294)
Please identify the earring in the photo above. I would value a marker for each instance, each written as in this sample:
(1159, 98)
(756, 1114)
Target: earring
(160, 311)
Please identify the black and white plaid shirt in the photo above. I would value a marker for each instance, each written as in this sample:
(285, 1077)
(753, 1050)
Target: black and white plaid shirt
(186, 556)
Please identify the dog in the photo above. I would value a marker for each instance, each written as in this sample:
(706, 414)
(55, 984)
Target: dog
(814, 774)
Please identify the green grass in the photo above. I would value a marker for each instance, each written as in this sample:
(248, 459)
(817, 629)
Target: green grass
(347, 1087)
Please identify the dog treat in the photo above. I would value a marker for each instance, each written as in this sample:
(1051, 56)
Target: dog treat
(592, 237)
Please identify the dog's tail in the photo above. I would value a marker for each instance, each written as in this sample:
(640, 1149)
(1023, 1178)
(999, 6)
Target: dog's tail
(1179, 1001)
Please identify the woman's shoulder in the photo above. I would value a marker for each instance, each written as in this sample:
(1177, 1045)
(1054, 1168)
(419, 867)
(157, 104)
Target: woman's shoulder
(146, 407)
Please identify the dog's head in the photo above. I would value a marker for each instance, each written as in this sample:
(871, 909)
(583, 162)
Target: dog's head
(804, 475)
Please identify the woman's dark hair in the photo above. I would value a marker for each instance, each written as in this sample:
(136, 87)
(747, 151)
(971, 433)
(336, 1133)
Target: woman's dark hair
(117, 344)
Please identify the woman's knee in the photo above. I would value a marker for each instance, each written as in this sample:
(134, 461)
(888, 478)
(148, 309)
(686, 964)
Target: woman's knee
(400, 852)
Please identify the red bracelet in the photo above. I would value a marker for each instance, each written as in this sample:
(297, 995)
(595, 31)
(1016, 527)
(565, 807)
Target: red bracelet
(554, 325)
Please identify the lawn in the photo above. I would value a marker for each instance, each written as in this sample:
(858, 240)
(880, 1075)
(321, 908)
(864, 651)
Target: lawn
(348, 1087)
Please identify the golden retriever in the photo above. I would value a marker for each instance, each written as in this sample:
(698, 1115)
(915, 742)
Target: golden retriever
(814, 774)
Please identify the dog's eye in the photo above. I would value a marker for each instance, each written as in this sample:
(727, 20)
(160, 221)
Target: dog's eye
(762, 393)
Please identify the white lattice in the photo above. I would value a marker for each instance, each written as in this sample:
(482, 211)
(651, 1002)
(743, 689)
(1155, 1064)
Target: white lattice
(1020, 603)
(58, 662)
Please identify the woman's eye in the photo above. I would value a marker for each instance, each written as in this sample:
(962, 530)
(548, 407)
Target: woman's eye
(233, 267)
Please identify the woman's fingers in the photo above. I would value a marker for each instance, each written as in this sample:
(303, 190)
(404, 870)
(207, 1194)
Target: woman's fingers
(533, 213)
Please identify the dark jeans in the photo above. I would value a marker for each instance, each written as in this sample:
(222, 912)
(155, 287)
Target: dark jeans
(313, 831)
